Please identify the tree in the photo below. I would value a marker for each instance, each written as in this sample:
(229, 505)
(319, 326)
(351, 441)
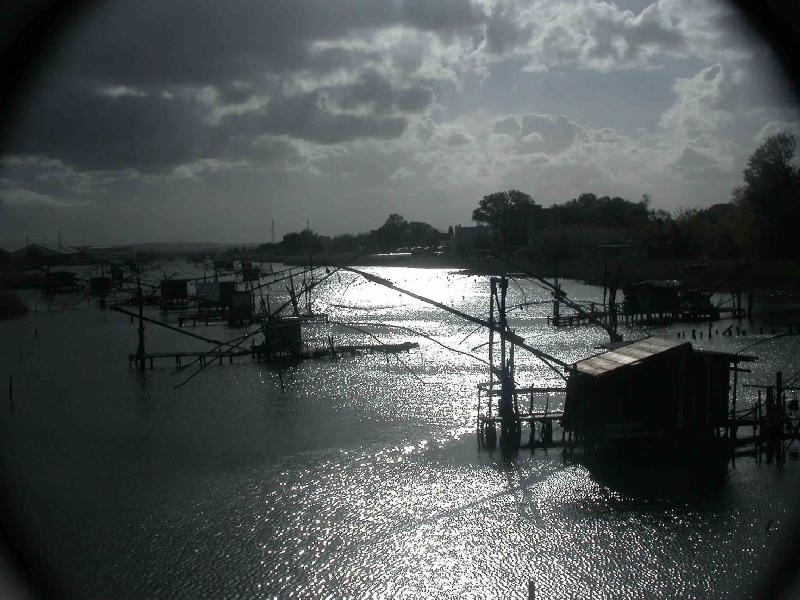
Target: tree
(393, 232)
(394, 221)
(303, 242)
(508, 214)
(772, 194)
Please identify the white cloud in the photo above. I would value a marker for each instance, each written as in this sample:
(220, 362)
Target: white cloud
(775, 127)
(24, 197)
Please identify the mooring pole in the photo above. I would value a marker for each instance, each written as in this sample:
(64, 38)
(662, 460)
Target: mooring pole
(732, 426)
(140, 351)
(772, 428)
(488, 431)
(779, 403)
(740, 272)
(605, 277)
(492, 288)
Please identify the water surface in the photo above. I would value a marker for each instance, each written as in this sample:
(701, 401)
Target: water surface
(363, 477)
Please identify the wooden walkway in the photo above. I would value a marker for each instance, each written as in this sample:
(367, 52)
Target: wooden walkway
(576, 319)
(255, 352)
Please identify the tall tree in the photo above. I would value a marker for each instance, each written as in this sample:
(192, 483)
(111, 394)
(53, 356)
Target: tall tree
(393, 232)
(507, 213)
(772, 194)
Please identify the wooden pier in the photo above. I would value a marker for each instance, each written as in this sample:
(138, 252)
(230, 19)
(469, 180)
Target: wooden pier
(257, 353)
(578, 319)
(540, 422)
(221, 316)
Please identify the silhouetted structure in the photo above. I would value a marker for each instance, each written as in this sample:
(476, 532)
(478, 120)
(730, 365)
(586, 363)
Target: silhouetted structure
(650, 390)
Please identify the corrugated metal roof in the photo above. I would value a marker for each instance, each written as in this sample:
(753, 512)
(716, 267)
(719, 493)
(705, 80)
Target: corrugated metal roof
(627, 354)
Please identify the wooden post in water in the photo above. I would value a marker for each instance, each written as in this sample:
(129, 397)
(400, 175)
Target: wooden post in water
(756, 416)
(750, 293)
(732, 430)
(11, 392)
(771, 428)
(489, 432)
(605, 278)
(781, 410)
(140, 351)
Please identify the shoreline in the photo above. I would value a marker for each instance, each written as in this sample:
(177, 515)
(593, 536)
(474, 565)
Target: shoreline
(707, 275)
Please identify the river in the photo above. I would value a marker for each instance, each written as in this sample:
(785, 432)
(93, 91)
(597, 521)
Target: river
(362, 478)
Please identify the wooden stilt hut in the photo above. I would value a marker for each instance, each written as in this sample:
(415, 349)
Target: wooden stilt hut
(650, 390)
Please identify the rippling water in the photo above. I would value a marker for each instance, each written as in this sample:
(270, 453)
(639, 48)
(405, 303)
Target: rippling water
(363, 477)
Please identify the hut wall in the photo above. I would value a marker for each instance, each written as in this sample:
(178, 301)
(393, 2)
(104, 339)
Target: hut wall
(707, 394)
(284, 336)
(241, 307)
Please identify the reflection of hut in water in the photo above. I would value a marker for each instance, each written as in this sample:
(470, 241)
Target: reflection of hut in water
(651, 389)
(174, 294)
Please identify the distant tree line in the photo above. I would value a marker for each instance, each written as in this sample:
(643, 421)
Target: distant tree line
(760, 220)
(394, 234)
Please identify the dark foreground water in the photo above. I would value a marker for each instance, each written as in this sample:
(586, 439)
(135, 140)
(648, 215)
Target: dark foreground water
(363, 478)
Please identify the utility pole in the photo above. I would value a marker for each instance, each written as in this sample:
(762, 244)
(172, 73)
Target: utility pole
(272, 232)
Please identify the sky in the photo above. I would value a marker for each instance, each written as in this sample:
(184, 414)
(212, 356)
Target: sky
(205, 121)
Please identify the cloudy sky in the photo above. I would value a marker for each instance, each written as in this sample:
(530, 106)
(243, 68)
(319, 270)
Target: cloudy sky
(204, 120)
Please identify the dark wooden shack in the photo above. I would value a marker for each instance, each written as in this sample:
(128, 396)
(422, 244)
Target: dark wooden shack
(241, 308)
(60, 281)
(174, 294)
(282, 337)
(117, 275)
(227, 289)
(653, 297)
(250, 272)
(650, 389)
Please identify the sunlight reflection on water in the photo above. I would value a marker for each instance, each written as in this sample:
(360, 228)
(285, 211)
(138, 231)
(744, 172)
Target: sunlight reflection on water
(364, 477)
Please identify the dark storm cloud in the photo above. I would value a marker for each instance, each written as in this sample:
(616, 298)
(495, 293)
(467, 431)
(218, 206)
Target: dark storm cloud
(504, 32)
(155, 132)
(308, 117)
(414, 99)
(202, 42)
(84, 129)
(162, 57)
(375, 91)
